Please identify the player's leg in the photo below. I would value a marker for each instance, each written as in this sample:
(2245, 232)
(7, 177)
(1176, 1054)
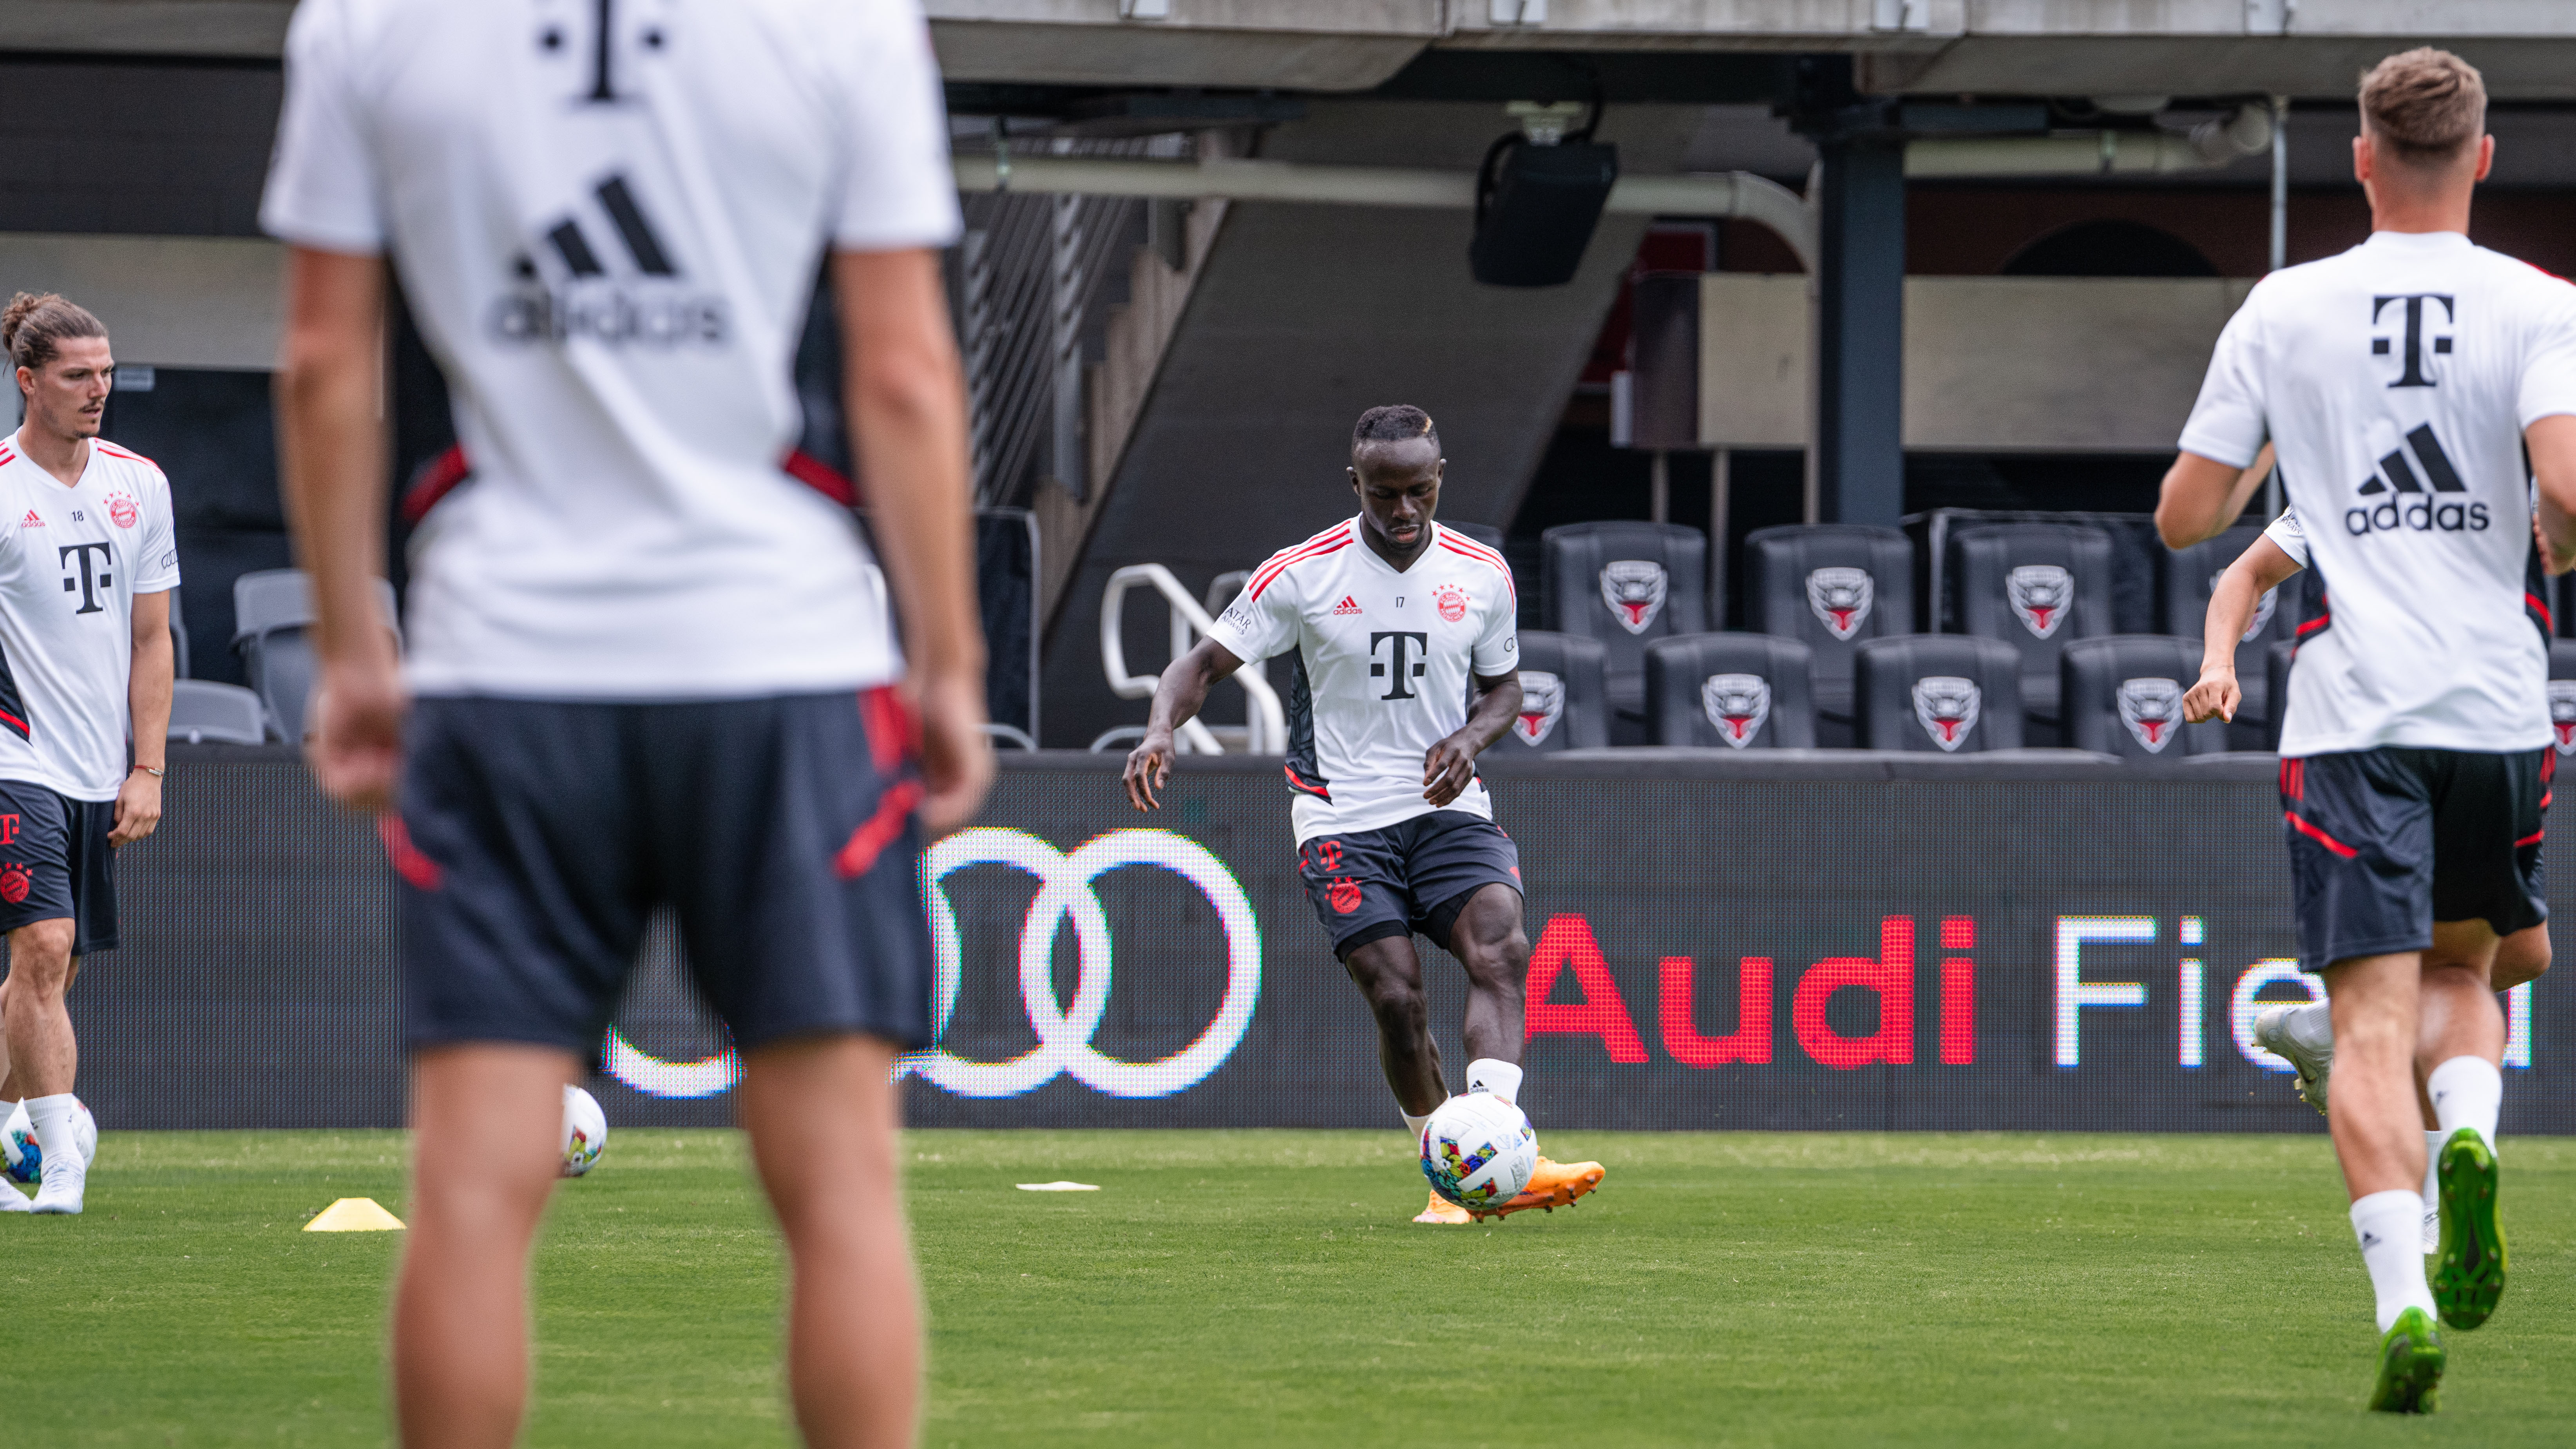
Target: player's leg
(1389, 975)
(824, 1124)
(45, 1059)
(1356, 884)
(2460, 1048)
(460, 1319)
(2373, 1123)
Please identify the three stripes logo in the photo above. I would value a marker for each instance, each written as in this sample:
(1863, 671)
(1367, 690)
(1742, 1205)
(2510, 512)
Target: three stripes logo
(2416, 488)
(572, 284)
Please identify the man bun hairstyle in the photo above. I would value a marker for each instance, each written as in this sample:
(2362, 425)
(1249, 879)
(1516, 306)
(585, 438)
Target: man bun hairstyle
(2426, 105)
(1394, 423)
(35, 325)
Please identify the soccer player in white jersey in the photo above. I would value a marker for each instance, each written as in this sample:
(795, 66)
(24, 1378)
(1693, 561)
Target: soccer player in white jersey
(1385, 618)
(2303, 1035)
(646, 665)
(2402, 383)
(87, 562)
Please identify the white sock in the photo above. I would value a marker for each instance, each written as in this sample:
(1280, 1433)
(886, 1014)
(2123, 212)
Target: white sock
(1493, 1074)
(1413, 1126)
(52, 1119)
(2312, 1024)
(2432, 1194)
(2466, 1091)
(2390, 1226)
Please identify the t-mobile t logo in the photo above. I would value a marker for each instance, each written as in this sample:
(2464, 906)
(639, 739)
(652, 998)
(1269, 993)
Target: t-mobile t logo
(2412, 374)
(92, 577)
(1408, 666)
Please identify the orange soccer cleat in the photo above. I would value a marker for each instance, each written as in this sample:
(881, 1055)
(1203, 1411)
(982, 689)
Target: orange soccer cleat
(1442, 1210)
(1553, 1185)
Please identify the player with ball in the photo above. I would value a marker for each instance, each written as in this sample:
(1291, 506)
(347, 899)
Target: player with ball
(1386, 618)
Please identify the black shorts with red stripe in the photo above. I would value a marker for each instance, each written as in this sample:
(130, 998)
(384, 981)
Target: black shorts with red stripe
(2385, 842)
(1413, 876)
(536, 836)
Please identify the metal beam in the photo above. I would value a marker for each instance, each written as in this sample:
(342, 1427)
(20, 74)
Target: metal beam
(1856, 471)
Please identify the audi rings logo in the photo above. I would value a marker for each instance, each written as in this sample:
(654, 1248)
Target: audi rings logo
(1065, 1032)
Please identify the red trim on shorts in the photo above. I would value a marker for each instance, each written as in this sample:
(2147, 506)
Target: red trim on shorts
(894, 733)
(2532, 839)
(2319, 836)
(2548, 622)
(878, 831)
(436, 479)
(820, 476)
(421, 871)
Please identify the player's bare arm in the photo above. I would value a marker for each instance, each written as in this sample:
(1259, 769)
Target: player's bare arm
(1179, 695)
(331, 460)
(2256, 572)
(906, 399)
(2202, 496)
(138, 800)
(1451, 764)
(2551, 442)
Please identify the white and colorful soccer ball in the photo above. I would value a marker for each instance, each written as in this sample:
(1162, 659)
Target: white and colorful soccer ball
(24, 1160)
(1478, 1150)
(585, 1131)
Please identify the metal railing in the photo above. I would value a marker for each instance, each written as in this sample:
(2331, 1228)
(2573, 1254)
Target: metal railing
(1266, 726)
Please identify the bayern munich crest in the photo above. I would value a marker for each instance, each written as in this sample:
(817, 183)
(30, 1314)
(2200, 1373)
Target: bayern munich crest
(2152, 709)
(2562, 715)
(1451, 602)
(1542, 703)
(1946, 706)
(1737, 704)
(1634, 589)
(1841, 598)
(2042, 595)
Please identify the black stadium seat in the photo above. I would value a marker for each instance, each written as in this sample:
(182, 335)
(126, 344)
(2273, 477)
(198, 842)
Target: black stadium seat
(2562, 694)
(2190, 574)
(1829, 586)
(2122, 695)
(1626, 585)
(1748, 691)
(1564, 704)
(1945, 692)
(2035, 586)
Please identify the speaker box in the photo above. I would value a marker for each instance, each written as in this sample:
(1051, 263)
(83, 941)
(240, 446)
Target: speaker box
(1535, 209)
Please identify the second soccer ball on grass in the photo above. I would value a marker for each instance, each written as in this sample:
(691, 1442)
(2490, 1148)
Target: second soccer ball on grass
(25, 1161)
(1478, 1150)
(585, 1131)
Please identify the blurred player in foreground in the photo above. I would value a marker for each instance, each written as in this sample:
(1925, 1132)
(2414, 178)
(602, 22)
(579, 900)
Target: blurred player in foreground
(2401, 383)
(1385, 617)
(87, 562)
(2303, 1035)
(647, 666)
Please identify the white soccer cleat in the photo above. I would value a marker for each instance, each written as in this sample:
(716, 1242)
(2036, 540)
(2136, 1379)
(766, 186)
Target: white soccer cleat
(64, 1183)
(14, 1201)
(2273, 1033)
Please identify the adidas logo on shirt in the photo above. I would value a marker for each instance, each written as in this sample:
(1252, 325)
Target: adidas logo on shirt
(2402, 485)
(1348, 605)
(567, 287)
(31, 520)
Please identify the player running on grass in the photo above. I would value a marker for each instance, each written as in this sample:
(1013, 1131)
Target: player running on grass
(651, 667)
(2402, 383)
(2303, 1035)
(87, 562)
(1385, 617)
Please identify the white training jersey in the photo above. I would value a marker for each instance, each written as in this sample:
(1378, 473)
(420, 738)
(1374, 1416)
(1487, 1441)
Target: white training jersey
(2395, 381)
(1379, 666)
(71, 562)
(608, 220)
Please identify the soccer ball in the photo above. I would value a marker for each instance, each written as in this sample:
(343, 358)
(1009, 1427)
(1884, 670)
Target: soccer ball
(24, 1160)
(585, 1131)
(1478, 1150)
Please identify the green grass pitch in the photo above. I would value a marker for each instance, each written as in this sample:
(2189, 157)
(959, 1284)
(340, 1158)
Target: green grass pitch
(1231, 1287)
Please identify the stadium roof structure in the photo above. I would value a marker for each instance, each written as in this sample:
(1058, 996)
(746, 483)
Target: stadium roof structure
(2307, 48)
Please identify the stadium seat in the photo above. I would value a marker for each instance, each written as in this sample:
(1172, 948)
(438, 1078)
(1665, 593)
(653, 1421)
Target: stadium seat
(1958, 694)
(1565, 703)
(178, 637)
(2276, 683)
(2189, 576)
(272, 612)
(2036, 587)
(1746, 691)
(1829, 586)
(1626, 585)
(202, 711)
(2122, 695)
(2562, 694)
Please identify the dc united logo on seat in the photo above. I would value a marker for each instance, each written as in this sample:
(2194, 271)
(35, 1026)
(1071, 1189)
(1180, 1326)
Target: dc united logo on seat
(2152, 709)
(2042, 595)
(2562, 714)
(1737, 704)
(1634, 589)
(1946, 706)
(1542, 700)
(1841, 597)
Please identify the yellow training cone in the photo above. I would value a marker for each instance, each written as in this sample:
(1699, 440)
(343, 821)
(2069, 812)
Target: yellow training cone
(354, 1215)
